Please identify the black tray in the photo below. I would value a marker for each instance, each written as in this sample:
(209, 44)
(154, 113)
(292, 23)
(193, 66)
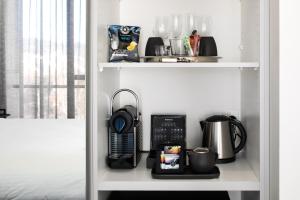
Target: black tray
(188, 174)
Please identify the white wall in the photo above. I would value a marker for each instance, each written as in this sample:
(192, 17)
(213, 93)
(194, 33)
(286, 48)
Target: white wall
(197, 93)
(226, 19)
(289, 99)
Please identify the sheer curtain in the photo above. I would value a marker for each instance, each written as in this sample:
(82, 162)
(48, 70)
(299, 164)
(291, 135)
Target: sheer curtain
(42, 58)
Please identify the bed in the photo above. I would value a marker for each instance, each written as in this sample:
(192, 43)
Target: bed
(42, 159)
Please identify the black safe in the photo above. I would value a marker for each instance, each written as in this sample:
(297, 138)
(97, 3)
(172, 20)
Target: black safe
(166, 130)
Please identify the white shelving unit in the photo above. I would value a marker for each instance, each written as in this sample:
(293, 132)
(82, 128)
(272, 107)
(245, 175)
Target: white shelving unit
(237, 84)
(241, 65)
(233, 177)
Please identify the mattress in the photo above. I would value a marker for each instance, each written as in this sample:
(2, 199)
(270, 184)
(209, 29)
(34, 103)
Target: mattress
(42, 159)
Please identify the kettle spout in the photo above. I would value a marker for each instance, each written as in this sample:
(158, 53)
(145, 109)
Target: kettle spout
(202, 124)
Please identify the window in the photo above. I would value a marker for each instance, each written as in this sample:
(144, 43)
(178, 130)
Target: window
(45, 58)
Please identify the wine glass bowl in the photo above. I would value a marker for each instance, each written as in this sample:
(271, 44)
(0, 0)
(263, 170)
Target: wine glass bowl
(205, 26)
(191, 23)
(162, 27)
(177, 26)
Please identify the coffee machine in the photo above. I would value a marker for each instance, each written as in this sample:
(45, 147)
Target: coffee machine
(124, 134)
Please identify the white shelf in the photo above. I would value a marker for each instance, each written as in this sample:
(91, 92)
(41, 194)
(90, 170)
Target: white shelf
(236, 176)
(254, 65)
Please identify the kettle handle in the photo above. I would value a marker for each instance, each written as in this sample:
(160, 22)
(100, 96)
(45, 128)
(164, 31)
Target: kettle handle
(243, 136)
(203, 128)
(202, 124)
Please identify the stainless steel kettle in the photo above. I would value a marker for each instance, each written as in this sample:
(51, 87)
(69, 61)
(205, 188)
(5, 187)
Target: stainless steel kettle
(220, 133)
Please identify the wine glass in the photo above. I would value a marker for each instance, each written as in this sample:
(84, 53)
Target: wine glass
(191, 24)
(205, 26)
(162, 27)
(177, 23)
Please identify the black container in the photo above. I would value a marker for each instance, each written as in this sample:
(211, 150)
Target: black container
(151, 158)
(202, 160)
(208, 47)
(151, 45)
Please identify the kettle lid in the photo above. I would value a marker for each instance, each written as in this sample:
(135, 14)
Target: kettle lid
(218, 118)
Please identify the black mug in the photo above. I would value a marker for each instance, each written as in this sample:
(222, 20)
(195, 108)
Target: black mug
(202, 160)
(208, 47)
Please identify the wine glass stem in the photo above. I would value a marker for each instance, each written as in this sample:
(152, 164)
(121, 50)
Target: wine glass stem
(167, 45)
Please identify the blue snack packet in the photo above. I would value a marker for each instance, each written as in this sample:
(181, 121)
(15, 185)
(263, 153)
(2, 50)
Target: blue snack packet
(124, 42)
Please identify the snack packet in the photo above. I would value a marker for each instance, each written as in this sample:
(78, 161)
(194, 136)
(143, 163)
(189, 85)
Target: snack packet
(124, 42)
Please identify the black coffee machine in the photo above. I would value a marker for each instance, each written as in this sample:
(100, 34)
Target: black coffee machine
(124, 135)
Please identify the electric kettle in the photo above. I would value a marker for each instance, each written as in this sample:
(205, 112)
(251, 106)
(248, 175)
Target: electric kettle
(220, 133)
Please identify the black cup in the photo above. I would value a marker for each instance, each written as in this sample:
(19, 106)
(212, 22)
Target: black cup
(152, 44)
(202, 160)
(208, 47)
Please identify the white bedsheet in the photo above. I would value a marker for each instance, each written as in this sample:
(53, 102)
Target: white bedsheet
(42, 159)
